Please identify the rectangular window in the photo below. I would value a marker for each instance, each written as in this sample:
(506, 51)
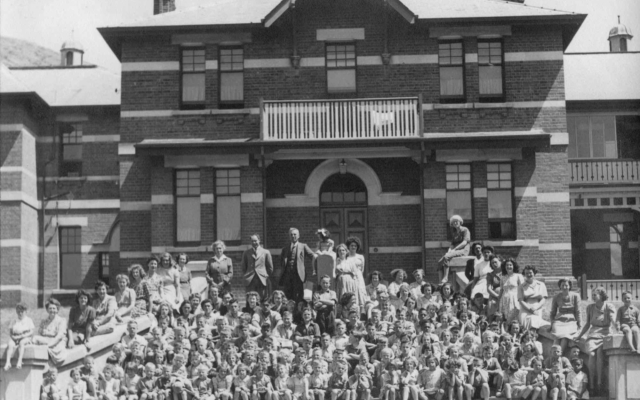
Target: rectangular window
(451, 63)
(71, 275)
(188, 206)
(71, 141)
(459, 193)
(341, 68)
(231, 77)
(500, 201)
(592, 136)
(490, 70)
(103, 267)
(193, 78)
(228, 205)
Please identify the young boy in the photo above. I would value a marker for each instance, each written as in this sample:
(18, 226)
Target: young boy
(146, 385)
(324, 302)
(202, 385)
(577, 381)
(556, 383)
(338, 383)
(627, 320)
(536, 381)
(389, 382)
(476, 384)
(455, 378)
(515, 382)
(129, 386)
(50, 389)
(431, 380)
(261, 388)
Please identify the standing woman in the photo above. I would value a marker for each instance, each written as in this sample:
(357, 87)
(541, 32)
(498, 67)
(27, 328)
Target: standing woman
(565, 314)
(219, 268)
(170, 278)
(52, 333)
(139, 284)
(354, 245)
(460, 240)
(346, 271)
(600, 317)
(185, 275)
(510, 281)
(532, 294)
(493, 284)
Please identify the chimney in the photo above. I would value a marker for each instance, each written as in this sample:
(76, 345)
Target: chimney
(163, 6)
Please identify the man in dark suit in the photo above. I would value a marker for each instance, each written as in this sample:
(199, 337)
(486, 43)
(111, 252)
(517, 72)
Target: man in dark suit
(293, 271)
(257, 267)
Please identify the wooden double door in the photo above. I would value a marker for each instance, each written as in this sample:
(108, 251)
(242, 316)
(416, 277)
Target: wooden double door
(344, 222)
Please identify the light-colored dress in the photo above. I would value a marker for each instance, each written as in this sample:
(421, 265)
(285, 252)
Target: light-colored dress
(600, 320)
(531, 293)
(48, 332)
(509, 305)
(347, 281)
(185, 282)
(168, 277)
(480, 271)
(359, 270)
(143, 296)
(125, 298)
(565, 315)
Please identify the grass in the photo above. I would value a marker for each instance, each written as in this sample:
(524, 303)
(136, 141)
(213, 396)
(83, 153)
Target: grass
(8, 316)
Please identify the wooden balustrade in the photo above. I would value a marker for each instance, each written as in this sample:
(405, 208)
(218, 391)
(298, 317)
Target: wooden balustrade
(353, 119)
(605, 171)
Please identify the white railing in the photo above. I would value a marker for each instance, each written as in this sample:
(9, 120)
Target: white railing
(389, 118)
(614, 288)
(605, 171)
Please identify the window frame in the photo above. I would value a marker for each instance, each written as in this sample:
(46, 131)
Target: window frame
(217, 203)
(492, 98)
(513, 218)
(61, 252)
(71, 166)
(571, 122)
(450, 99)
(102, 256)
(176, 196)
(230, 104)
(354, 67)
(192, 105)
(468, 224)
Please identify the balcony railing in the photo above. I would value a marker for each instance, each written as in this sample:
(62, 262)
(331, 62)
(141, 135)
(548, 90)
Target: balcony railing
(605, 171)
(389, 118)
(613, 287)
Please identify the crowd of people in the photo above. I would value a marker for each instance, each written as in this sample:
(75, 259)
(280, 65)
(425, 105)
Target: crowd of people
(338, 339)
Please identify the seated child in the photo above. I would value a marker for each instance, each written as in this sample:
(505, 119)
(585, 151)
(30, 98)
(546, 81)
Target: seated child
(298, 383)
(20, 335)
(515, 382)
(202, 384)
(627, 320)
(577, 381)
(163, 384)
(281, 390)
(50, 389)
(129, 387)
(476, 384)
(261, 388)
(556, 383)
(108, 387)
(454, 378)
(431, 380)
(409, 379)
(318, 381)
(222, 383)
(389, 382)
(147, 384)
(77, 389)
(537, 381)
(362, 380)
(339, 381)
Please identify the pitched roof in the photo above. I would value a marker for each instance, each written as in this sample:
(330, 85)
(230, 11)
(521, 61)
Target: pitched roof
(232, 12)
(71, 86)
(9, 83)
(602, 76)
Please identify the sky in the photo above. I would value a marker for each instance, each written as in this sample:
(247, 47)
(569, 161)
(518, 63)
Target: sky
(49, 23)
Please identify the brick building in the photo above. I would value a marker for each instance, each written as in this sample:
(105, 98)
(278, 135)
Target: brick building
(373, 118)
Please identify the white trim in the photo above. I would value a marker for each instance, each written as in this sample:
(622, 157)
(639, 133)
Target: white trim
(21, 243)
(395, 199)
(414, 59)
(126, 149)
(215, 161)
(82, 204)
(605, 191)
(470, 58)
(511, 243)
(346, 152)
(479, 193)
(554, 246)
(146, 114)
(539, 104)
(391, 250)
(368, 60)
(135, 206)
(555, 197)
(435, 193)
(157, 199)
(559, 138)
(207, 198)
(10, 195)
(597, 245)
(70, 221)
(96, 178)
(340, 34)
(534, 56)
(20, 169)
(151, 66)
(354, 166)
(135, 254)
(312, 62)
(526, 191)
(251, 197)
(468, 155)
(268, 63)
(72, 118)
(436, 244)
(100, 138)
(21, 288)
(293, 201)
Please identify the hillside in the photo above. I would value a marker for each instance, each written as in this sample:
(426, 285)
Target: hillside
(20, 53)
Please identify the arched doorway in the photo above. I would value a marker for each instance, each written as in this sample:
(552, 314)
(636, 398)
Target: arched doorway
(343, 208)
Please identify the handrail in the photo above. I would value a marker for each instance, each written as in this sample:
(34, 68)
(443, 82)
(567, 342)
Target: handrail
(340, 100)
(598, 170)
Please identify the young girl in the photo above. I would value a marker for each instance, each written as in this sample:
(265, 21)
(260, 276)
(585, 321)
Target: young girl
(77, 389)
(261, 384)
(515, 382)
(318, 382)
(242, 383)
(536, 381)
(108, 386)
(476, 384)
(203, 385)
(147, 385)
(325, 244)
(389, 382)
(298, 383)
(281, 390)
(20, 333)
(339, 382)
(454, 378)
(431, 381)
(129, 387)
(362, 381)
(50, 389)
(409, 379)
(399, 276)
(222, 383)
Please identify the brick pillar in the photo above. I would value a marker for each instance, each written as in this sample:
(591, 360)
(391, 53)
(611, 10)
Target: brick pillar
(162, 206)
(435, 215)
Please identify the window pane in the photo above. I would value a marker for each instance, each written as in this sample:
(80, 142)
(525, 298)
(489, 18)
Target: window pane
(459, 203)
(193, 87)
(72, 152)
(451, 82)
(597, 137)
(500, 205)
(228, 217)
(571, 128)
(490, 79)
(188, 219)
(341, 80)
(71, 271)
(583, 137)
(232, 86)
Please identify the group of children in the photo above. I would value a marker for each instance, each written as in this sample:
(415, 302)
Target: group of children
(328, 349)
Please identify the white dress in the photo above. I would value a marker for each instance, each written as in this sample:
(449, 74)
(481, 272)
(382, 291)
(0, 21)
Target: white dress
(481, 270)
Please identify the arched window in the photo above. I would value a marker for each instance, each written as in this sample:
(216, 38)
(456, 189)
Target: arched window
(343, 189)
(69, 58)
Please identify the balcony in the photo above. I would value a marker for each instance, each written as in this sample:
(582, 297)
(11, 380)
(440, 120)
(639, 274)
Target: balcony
(321, 120)
(601, 171)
